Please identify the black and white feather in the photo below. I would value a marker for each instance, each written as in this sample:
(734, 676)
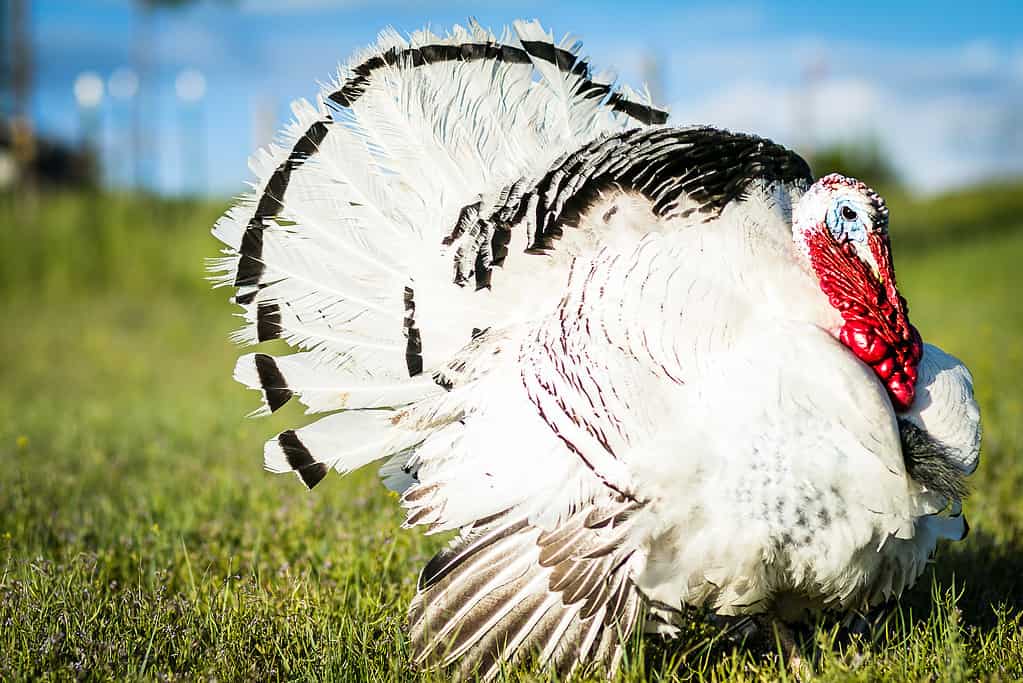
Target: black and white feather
(503, 276)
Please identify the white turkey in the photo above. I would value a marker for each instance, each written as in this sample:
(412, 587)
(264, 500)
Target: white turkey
(639, 368)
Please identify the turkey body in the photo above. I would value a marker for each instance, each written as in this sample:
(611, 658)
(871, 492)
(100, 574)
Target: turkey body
(764, 460)
(600, 348)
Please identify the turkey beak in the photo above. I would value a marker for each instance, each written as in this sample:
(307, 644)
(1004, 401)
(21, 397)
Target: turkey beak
(865, 253)
(880, 260)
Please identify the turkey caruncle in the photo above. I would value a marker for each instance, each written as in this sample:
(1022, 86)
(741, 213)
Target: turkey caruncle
(638, 367)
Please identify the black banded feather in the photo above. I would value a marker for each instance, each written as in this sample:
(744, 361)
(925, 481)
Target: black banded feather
(565, 60)
(703, 169)
(321, 386)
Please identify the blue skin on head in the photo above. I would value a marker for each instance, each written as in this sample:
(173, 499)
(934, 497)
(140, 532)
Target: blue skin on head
(845, 223)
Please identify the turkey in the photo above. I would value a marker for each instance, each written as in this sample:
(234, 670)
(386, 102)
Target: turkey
(637, 368)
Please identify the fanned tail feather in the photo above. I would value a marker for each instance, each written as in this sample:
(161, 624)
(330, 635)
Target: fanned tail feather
(340, 249)
(343, 441)
(322, 388)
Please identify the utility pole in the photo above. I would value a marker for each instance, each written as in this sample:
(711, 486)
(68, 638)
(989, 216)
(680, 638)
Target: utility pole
(6, 61)
(17, 84)
(123, 86)
(88, 90)
(140, 104)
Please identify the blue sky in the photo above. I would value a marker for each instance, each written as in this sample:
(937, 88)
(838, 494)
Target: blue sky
(939, 84)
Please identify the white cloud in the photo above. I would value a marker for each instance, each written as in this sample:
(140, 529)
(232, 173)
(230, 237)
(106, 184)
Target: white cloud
(946, 117)
(980, 58)
(936, 142)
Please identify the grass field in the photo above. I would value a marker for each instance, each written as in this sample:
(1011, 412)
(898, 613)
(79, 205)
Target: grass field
(141, 539)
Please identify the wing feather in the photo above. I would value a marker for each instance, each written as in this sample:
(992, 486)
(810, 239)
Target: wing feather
(489, 601)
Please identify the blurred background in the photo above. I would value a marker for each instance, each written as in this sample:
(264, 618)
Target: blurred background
(125, 127)
(170, 96)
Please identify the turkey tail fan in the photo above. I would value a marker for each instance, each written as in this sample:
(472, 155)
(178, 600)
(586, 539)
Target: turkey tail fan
(322, 388)
(508, 591)
(343, 441)
(340, 249)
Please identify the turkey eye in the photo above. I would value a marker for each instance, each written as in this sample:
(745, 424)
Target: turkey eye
(848, 214)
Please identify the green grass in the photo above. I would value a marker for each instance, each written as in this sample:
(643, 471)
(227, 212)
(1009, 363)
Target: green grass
(140, 538)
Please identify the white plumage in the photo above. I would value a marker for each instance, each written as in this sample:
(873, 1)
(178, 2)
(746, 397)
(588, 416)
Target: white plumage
(640, 368)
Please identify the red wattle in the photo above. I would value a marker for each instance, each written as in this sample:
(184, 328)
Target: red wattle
(876, 327)
(901, 390)
(860, 337)
(885, 368)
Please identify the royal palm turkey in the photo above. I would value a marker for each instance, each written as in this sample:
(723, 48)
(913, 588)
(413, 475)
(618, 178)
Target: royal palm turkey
(638, 368)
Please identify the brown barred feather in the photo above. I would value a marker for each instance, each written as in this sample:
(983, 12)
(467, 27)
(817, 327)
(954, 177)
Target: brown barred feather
(491, 600)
